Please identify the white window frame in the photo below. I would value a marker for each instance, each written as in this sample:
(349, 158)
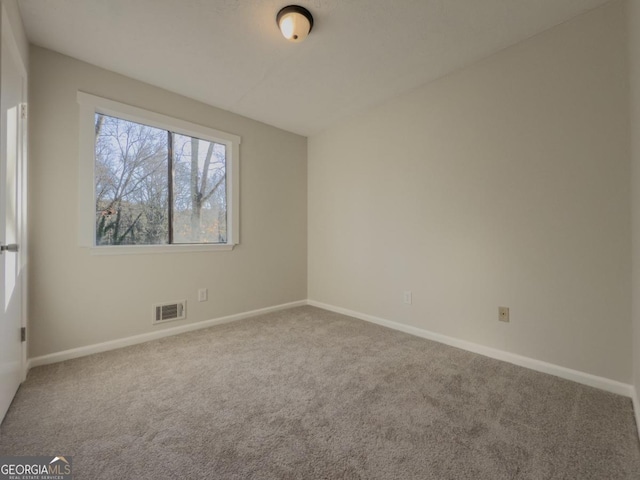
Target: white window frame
(89, 106)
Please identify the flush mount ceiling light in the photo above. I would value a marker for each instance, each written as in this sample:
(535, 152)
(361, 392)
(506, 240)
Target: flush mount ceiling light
(294, 22)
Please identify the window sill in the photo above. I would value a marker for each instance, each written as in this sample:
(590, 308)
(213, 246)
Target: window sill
(146, 249)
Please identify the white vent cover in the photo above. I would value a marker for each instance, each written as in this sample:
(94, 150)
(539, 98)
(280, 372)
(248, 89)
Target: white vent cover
(167, 312)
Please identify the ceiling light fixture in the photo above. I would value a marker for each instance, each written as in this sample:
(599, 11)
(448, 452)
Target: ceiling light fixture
(294, 22)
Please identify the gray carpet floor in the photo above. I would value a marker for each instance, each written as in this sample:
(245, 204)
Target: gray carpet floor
(309, 394)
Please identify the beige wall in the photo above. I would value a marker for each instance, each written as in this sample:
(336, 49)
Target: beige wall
(77, 299)
(15, 20)
(505, 183)
(634, 67)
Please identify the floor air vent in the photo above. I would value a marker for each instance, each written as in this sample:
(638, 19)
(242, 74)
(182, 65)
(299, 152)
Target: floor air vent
(170, 311)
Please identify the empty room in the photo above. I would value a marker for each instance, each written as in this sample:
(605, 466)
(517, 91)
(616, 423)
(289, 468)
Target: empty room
(334, 239)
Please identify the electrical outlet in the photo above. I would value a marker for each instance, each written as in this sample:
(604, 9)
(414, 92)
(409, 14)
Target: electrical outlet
(503, 314)
(203, 295)
(407, 297)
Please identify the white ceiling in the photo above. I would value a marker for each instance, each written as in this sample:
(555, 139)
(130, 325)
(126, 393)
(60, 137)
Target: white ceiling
(229, 53)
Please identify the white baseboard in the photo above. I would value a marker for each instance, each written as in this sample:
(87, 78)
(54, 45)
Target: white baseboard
(531, 363)
(146, 337)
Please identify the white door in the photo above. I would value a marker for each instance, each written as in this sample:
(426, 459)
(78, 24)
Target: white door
(12, 218)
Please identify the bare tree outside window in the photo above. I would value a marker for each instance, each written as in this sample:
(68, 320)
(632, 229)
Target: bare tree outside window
(199, 201)
(137, 182)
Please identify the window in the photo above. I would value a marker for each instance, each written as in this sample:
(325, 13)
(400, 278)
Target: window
(154, 181)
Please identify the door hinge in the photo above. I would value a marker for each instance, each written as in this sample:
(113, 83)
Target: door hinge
(23, 111)
(23, 334)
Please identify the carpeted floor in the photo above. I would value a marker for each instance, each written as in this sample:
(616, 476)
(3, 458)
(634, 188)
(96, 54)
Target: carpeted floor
(309, 394)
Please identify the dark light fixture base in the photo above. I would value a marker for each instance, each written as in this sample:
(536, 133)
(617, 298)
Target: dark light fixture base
(295, 9)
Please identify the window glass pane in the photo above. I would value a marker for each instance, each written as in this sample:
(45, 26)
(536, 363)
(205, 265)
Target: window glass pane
(199, 191)
(131, 180)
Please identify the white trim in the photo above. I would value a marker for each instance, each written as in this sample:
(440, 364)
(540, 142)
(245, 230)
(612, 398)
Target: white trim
(154, 119)
(531, 363)
(86, 194)
(146, 337)
(8, 37)
(88, 106)
(146, 249)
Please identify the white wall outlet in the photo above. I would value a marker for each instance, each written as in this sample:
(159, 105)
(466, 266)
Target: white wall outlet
(203, 295)
(503, 314)
(406, 298)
